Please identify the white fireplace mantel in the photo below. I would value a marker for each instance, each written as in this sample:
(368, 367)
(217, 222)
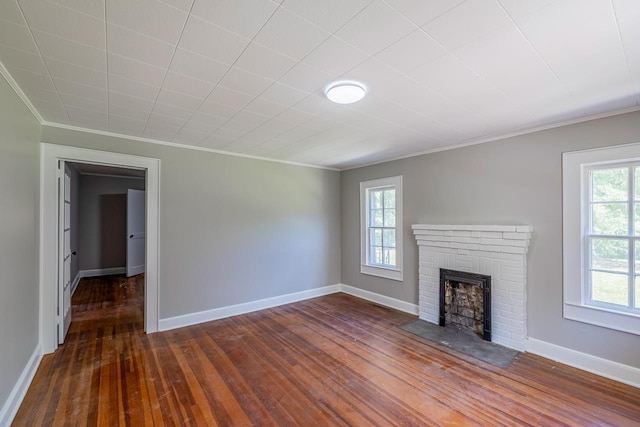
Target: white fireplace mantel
(496, 250)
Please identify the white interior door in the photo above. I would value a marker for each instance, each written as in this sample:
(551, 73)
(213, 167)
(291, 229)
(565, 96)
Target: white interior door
(64, 241)
(135, 232)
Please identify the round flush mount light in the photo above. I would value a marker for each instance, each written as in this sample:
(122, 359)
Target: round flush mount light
(345, 92)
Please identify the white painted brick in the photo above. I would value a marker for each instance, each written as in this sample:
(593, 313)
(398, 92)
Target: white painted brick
(517, 236)
(511, 328)
(468, 246)
(462, 233)
(513, 278)
(517, 317)
(510, 270)
(448, 233)
(429, 232)
(487, 234)
(524, 229)
(498, 285)
(451, 260)
(463, 263)
(449, 251)
(500, 329)
(497, 242)
(517, 296)
(429, 238)
(463, 252)
(512, 264)
(514, 250)
(496, 315)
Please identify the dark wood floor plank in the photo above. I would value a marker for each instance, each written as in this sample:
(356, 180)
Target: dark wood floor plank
(334, 360)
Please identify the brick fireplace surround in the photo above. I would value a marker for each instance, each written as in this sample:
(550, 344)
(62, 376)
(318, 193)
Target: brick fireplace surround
(496, 250)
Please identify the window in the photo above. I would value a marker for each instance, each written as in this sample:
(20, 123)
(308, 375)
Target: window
(613, 250)
(381, 227)
(601, 237)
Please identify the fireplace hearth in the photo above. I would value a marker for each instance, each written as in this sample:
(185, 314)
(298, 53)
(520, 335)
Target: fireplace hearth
(465, 300)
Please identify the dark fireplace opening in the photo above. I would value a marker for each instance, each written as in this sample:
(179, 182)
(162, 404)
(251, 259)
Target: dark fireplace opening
(465, 300)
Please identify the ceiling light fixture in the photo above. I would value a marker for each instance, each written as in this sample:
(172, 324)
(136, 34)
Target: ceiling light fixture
(345, 92)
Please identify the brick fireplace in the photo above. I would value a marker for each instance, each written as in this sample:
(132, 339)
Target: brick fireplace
(499, 251)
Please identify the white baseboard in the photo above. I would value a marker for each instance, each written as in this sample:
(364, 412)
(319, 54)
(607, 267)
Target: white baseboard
(407, 307)
(74, 284)
(102, 272)
(596, 365)
(247, 307)
(11, 406)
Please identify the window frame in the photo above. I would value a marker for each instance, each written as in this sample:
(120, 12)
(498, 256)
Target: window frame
(366, 267)
(631, 237)
(576, 167)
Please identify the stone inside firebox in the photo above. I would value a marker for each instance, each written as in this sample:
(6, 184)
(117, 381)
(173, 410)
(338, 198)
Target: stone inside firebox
(463, 305)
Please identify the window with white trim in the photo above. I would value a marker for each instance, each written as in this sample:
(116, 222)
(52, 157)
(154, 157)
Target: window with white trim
(612, 253)
(381, 227)
(601, 237)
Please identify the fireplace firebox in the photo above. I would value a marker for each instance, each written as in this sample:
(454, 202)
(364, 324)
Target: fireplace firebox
(465, 300)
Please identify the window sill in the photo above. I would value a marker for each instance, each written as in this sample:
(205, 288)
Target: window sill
(620, 321)
(387, 273)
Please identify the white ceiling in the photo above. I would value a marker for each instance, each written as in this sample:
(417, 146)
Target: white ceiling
(246, 76)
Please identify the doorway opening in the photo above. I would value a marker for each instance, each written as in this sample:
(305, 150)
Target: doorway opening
(52, 271)
(102, 246)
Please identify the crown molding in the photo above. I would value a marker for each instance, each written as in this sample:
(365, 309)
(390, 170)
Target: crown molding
(14, 85)
(178, 145)
(503, 136)
(5, 73)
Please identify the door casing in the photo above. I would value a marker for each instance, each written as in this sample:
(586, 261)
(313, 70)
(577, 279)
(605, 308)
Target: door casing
(50, 154)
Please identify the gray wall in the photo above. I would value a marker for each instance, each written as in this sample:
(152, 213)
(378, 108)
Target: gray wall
(232, 229)
(103, 220)
(19, 225)
(513, 181)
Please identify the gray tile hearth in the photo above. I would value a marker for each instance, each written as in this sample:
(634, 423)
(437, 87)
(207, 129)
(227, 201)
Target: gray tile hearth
(464, 341)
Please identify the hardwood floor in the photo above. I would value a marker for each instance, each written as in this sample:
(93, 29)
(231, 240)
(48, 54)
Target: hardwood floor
(334, 360)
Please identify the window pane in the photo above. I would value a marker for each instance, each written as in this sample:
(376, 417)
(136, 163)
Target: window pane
(376, 217)
(610, 254)
(610, 185)
(636, 214)
(609, 218)
(390, 198)
(375, 239)
(376, 255)
(389, 217)
(390, 238)
(637, 183)
(375, 198)
(609, 287)
(389, 256)
(637, 293)
(637, 256)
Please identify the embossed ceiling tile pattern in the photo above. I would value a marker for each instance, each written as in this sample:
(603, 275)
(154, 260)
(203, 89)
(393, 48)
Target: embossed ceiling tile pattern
(248, 76)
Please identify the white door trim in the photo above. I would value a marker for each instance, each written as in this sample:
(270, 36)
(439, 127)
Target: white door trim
(50, 154)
